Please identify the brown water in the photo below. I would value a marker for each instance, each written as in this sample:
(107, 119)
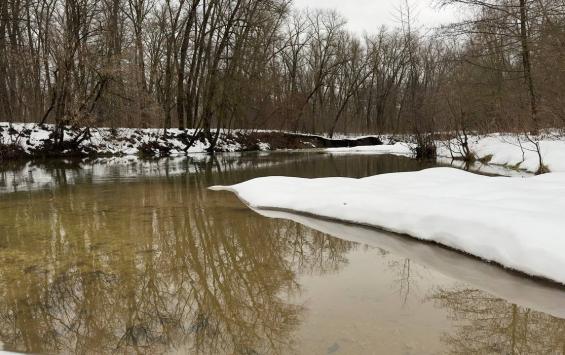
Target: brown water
(138, 257)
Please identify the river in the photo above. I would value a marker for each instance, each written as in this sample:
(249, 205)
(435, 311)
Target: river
(129, 256)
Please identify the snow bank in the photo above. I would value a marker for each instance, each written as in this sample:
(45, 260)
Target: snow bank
(502, 149)
(512, 150)
(404, 149)
(515, 222)
(35, 141)
(118, 141)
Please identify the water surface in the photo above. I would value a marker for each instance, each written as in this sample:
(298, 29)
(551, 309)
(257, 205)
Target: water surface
(120, 255)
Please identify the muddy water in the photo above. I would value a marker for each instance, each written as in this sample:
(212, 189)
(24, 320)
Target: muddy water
(138, 257)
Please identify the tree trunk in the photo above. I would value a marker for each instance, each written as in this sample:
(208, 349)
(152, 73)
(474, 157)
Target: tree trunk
(528, 66)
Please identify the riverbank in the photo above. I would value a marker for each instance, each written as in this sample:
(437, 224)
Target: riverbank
(508, 151)
(20, 141)
(514, 222)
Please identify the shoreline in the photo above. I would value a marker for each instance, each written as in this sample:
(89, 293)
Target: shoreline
(511, 151)
(21, 141)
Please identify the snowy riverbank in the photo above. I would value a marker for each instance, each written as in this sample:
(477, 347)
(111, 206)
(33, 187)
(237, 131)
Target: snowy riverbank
(31, 140)
(515, 222)
(112, 142)
(517, 152)
(512, 152)
(404, 149)
(509, 151)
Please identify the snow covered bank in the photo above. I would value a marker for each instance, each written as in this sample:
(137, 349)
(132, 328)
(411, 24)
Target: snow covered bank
(515, 222)
(511, 150)
(119, 141)
(512, 287)
(506, 150)
(404, 149)
(31, 140)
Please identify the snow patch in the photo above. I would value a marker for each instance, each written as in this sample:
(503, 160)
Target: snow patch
(116, 141)
(512, 150)
(515, 222)
(404, 149)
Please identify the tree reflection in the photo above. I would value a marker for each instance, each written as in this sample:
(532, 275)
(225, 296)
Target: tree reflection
(489, 325)
(152, 266)
(406, 280)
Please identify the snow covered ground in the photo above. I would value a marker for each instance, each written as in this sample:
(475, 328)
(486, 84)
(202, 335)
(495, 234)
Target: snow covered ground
(507, 150)
(35, 139)
(515, 222)
(404, 149)
(512, 150)
(119, 141)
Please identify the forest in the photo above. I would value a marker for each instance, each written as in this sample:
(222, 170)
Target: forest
(263, 64)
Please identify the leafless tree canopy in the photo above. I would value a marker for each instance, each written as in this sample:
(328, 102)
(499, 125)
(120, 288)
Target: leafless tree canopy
(210, 64)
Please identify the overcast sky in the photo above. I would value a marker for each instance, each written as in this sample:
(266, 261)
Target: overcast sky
(369, 15)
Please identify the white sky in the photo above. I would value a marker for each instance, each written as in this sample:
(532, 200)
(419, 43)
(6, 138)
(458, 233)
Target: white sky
(370, 15)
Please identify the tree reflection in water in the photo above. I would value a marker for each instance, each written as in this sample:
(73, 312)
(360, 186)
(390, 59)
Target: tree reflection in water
(152, 266)
(476, 321)
(490, 325)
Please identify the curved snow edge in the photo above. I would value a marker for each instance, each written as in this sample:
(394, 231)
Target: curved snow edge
(514, 222)
(547, 297)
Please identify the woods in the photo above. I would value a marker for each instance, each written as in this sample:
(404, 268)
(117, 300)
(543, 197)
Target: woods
(262, 64)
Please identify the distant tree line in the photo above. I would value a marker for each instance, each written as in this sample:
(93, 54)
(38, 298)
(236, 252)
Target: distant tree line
(211, 64)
